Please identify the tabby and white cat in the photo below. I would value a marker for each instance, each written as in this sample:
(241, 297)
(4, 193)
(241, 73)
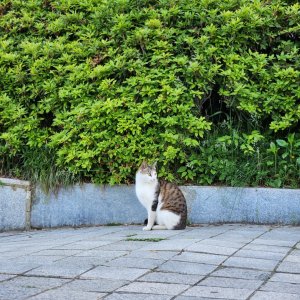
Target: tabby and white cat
(165, 203)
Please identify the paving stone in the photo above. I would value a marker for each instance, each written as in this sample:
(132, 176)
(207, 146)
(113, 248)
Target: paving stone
(11, 268)
(210, 230)
(289, 267)
(292, 288)
(95, 285)
(109, 263)
(86, 261)
(129, 296)
(126, 246)
(50, 252)
(240, 235)
(155, 254)
(10, 291)
(186, 268)
(251, 230)
(170, 245)
(38, 282)
(68, 294)
(82, 245)
(154, 288)
(115, 273)
(295, 252)
(37, 260)
(200, 258)
(274, 296)
(168, 234)
(203, 229)
(103, 238)
(23, 286)
(143, 263)
(282, 243)
(222, 243)
(260, 254)
(283, 277)
(267, 248)
(191, 298)
(284, 236)
(241, 273)
(292, 258)
(171, 278)
(200, 233)
(12, 252)
(108, 254)
(218, 292)
(199, 247)
(285, 229)
(232, 283)
(251, 263)
(4, 260)
(59, 270)
(236, 238)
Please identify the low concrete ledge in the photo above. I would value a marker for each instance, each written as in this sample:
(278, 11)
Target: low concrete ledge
(90, 204)
(86, 204)
(15, 202)
(94, 205)
(243, 205)
(14, 182)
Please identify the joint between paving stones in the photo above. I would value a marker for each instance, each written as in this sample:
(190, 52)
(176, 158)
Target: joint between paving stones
(150, 271)
(50, 289)
(221, 265)
(217, 264)
(126, 284)
(206, 276)
(57, 287)
(274, 270)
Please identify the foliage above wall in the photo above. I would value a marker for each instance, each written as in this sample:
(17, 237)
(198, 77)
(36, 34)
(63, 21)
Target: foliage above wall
(208, 88)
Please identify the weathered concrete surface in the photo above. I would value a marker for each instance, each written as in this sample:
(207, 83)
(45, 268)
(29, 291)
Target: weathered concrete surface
(90, 204)
(249, 205)
(14, 204)
(125, 262)
(93, 205)
(86, 204)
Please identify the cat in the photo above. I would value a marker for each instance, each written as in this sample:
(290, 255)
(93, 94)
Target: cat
(164, 201)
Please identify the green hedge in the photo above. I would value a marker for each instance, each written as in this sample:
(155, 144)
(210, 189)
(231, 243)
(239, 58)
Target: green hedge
(208, 88)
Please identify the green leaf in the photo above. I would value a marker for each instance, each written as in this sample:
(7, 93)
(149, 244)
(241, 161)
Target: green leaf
(273, 147)
(181, 169)
(282, 143)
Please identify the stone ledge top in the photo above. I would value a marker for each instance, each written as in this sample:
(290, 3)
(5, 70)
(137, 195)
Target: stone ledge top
(14, 182)
(239, 188)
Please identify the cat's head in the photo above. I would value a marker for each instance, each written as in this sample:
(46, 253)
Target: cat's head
(147, 172)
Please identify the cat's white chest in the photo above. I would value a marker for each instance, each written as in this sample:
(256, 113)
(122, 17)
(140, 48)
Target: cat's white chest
(145, 193)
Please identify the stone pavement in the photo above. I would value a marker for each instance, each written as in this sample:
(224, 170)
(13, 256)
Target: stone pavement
(123, 262)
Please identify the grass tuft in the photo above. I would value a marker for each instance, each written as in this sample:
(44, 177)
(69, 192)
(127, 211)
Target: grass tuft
(145, 239)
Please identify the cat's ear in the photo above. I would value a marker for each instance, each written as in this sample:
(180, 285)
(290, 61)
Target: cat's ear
(154, 165)
(144, 165)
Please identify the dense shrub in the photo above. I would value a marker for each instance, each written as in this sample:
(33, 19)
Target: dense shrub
(209, 88)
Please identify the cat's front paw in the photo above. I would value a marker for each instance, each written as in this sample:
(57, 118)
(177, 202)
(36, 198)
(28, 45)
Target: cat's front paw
(147, 228)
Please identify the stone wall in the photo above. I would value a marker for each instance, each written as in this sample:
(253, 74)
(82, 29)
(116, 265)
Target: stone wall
(243, 205)
(15, 202)
(86, 204)
(89, 204)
